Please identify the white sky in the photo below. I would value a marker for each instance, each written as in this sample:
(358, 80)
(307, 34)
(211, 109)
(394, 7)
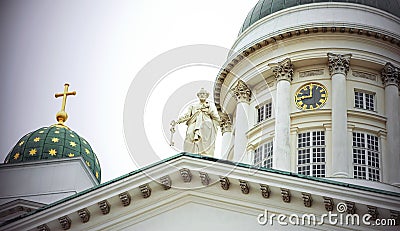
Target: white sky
(98, 47)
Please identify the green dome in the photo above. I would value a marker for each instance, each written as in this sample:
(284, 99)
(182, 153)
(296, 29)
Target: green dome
(267, 7)
(54, 142)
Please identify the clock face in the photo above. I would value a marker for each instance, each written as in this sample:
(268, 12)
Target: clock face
(311, 96)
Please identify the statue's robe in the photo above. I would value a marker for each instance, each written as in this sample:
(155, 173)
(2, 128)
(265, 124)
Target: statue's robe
(202, 120)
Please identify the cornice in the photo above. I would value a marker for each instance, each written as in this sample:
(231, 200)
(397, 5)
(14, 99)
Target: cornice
(314, 6)
(280, 36)
(106, 200)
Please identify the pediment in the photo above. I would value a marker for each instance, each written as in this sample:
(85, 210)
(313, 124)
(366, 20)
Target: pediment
(187, 186)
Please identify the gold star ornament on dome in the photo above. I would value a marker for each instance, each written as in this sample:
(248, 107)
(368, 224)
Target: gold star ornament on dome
(71, 155)
(55, 140)
(53, 152)
(37, 139)
(21, 143)
(72, 143)
(16, 156)
(32, 152)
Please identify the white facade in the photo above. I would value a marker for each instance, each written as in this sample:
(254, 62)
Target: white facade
(350, 49)
(191, 192)
(44, 182)
(343, 60)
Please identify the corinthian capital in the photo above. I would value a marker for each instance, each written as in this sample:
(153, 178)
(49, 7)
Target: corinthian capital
(226, 124)
(390, 75)
(338, 64)
(283, 70)
(242, 92)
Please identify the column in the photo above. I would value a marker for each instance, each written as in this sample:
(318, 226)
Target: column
(390, 78)
(283, 74)
(226, 129)
(338, 68)
(243, 96)
(293, 152)
(249, 157)
(328, 149)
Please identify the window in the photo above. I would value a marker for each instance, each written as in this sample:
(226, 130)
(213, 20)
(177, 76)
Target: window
(366, 156)
(364, 100)
(311, 153)
(263, 155)
(264, 112)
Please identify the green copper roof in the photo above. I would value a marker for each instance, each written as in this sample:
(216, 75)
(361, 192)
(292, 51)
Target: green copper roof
(54, 142)
(267, 7)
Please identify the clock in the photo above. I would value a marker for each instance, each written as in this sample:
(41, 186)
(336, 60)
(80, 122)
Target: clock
(311, 96)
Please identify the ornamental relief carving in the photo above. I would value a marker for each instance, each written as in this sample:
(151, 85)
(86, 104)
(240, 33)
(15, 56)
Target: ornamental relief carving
(283, 70)
(244, 186)
(186, 175)
(205, 179)
(146, 190)
(125, 198)
(329, 204)
(364, 75)
(224, 182)
(390, 75)
(104, 207)
(65, 222)
(338, 64)
(166, 182)
(242, 92)
(43, 227)
(285, 195)
(311, 73)
(226, 124)
(84, 215)
(265, 191)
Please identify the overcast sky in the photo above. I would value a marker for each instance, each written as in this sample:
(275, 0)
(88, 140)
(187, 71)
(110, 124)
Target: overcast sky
(98, 47)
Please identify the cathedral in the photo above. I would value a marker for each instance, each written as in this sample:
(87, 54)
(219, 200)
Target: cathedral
(308, 101)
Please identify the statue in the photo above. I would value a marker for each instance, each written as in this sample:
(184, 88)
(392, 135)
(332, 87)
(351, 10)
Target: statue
(202, 120)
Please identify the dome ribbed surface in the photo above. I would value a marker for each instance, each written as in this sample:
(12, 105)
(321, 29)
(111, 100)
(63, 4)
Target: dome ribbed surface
(267, 7)
(54, 142)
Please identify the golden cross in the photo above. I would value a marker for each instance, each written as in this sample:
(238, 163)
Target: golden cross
(64, 95)
(62, 116)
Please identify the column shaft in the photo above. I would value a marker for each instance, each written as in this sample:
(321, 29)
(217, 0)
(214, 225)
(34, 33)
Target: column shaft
(283, 74)
(339, 66)
(226, 144)
(393, 134)
(339, 127)
(241, 127)
(243, 96)
(391, 80)
(281, 156)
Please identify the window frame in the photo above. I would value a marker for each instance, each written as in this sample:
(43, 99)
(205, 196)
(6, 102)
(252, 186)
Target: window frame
(265, 159)
(263, 107)
(365, 105)
(366, 156)
(311, 153)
